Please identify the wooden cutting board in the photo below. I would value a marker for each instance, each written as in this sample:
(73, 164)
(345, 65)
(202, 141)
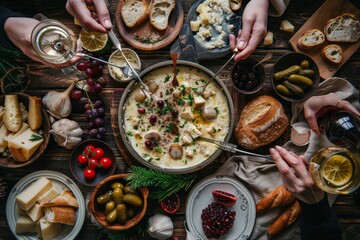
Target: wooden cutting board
(330, 9)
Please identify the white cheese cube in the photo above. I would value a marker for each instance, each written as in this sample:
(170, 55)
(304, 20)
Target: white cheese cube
(36, 212)
(199, 101)
(269, 39)
(48, 196)
(189, 153)
(186, 139)
(195, 25)
(25, 225)
(187, 114)
(287, 26)
(27, 198)
(192, 130)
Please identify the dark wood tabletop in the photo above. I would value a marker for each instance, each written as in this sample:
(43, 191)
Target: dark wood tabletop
(57, 159)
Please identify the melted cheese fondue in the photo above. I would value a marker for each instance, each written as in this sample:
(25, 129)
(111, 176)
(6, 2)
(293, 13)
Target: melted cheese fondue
(164, 133)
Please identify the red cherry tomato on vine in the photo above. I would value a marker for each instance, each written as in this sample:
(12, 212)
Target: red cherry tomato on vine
(89, 150)
(82, 159)
(99, 153)
(105, 162)
(89, 173)
(93, 163)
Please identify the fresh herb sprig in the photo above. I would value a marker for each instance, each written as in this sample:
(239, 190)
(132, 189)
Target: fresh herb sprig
(162, 184)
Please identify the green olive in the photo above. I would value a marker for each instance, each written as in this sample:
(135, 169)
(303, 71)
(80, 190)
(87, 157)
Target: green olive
(130, 212)
(117, 185)
(128, 189)
(121, 213)
(109, 207)
(105, 198)
(133, 200)
(117, 196)
(305, 64)
(111, 217)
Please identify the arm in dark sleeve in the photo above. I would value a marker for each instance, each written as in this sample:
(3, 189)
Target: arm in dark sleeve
(318, 221)
(5, 13)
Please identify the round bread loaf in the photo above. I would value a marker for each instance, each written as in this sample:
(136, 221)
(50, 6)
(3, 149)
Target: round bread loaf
(262, 121)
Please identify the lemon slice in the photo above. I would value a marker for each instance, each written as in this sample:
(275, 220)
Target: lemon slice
(95, 42)
(337, 170)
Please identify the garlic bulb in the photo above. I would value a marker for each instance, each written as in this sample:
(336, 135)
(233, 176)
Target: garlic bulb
(160, 227)
(67, 133)
(59, 103)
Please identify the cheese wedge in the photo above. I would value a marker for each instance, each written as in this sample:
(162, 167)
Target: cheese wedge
(49, 230)
(25, 225)
(27, 198)
(269, 39)
(287, 26)
(35, 212)
(48, 196)
(24, 144)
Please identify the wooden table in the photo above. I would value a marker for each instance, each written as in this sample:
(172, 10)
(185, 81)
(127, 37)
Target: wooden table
(57, 159)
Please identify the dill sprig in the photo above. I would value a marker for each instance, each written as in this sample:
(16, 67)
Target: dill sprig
(162, 184)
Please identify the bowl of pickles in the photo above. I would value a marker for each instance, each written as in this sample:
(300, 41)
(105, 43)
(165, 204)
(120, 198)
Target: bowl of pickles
(295, 76)
(117, 206)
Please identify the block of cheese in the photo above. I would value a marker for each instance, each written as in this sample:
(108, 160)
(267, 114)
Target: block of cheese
(38, 229)
(25, 225)
(27, 142)
(27, 198)
(287, 26)
(49, 230)
(195, 25)
(269, 39)
(35, 212)
(20, 211)
(23, 128)
(49, 195)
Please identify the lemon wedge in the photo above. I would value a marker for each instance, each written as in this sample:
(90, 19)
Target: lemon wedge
(337, 170)
(95, 42)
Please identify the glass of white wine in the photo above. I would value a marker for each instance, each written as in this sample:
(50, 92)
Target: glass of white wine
(336, 170)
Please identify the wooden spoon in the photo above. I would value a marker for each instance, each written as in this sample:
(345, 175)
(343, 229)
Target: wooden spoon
(174, 58)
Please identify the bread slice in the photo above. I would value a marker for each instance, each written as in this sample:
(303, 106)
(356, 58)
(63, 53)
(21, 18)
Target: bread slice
(343, 28)
(160, 12)
(134, 12)
(64, 215)
(332, 53)
(66, 198)
(311, 38)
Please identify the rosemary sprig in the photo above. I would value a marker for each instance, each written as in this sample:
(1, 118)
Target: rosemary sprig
(35, 138)
(164, 184)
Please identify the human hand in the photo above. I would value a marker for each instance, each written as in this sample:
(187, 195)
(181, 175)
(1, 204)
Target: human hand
(296, 178)
(19, 31)
(313, 105)
(254, 29)
(87, 19)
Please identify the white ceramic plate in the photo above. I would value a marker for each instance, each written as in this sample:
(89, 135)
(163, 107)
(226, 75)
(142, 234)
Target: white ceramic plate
(57, 179)
(200, 197)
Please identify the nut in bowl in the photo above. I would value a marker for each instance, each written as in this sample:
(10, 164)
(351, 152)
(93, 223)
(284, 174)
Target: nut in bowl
(246, 78)
(24, 131)
(117, 206)
(92, 161)
(116, 58)
(295, 76)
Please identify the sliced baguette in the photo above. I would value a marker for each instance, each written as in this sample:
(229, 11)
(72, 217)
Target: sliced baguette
(134, 12)
(12, 115)
(160, 12)
(311, 38)
(332, 53)
(343, 28)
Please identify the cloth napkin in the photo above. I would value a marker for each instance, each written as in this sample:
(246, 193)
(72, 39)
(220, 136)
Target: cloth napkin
(261, 175)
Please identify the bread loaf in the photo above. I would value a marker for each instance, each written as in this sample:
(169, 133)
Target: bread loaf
(287, 217)
(279, 197)
(311, 38)
(343, 28)
(12, 115)
(332, 53)
(262, 121)
(160, 12)
(35, 116)
(64, 215)
(134, 12)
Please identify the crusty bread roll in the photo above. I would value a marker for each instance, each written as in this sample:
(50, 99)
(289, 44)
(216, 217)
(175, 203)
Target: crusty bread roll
(287, 217)
(12, 115)
(343, 28)
(134, 12)
(310, 39)
(160, 12)
(279, 197)
(66, 198)
(35, 118)
(64, 215)
(332, 53)
(262, 121)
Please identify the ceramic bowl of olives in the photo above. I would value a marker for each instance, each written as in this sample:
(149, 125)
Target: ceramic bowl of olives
(246, 77)
(117, 206)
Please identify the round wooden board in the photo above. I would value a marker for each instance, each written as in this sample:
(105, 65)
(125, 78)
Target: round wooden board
(145, 29)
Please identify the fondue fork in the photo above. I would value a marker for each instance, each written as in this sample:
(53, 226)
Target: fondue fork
(229, 147)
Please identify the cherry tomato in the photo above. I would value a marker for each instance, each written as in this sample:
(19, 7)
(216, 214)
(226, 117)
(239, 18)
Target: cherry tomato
(93, 163)
(89, 150)
(99, 153)
(82, 159)
(89, 173)
(105, 162)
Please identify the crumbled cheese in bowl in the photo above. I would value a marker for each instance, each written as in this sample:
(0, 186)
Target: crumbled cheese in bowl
(117, 59)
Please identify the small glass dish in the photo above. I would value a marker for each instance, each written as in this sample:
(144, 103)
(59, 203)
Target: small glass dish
(117, 59)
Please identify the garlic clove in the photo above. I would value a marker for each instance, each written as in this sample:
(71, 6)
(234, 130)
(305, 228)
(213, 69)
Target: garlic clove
(160, 227)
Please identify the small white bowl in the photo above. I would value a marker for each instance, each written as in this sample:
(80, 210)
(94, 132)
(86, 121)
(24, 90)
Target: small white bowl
(117, 58)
